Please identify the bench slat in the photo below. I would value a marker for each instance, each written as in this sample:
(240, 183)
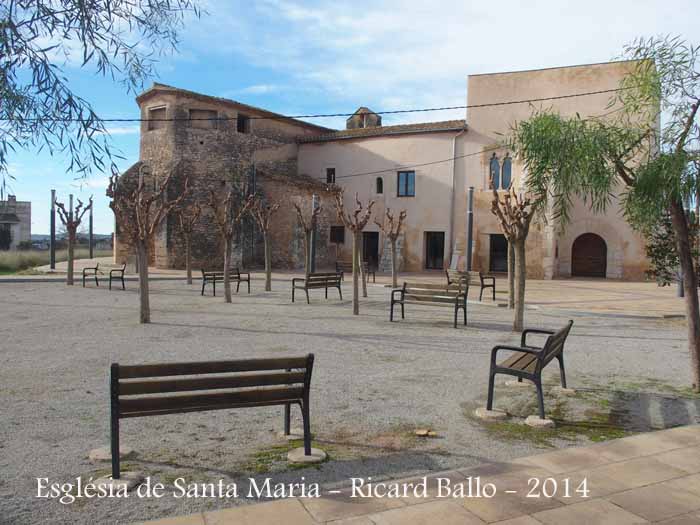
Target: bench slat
(520, 361)
(208, 383)
(430, 298)
(210, 367)
(148, 405)
(430, 286)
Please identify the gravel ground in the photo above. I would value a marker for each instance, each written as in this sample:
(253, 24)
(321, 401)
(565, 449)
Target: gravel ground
(374, 382)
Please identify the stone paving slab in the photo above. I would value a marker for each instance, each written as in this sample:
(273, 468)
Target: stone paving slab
(638, 479)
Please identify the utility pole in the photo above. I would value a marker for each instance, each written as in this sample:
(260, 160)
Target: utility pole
(312, 265)
(90, 228)
(52, 238)
(470, 227)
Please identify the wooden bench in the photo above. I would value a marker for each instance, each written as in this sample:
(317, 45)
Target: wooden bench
(342, 267)
(214, 276)
(430, 294)
(317, 280)
(91, 272)
(527, 361)
(117, 273)
(145, 390)
(484, 281)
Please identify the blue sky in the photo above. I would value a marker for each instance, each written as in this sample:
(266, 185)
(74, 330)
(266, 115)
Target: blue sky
(322, 57)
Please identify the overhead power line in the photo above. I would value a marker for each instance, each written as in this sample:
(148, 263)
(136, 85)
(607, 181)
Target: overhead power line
(410, 166)
(330, 115)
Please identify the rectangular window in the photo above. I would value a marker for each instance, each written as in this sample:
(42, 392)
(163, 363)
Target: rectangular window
(406, 186)
(203, 118)
(330, 175)
(243, 123)
(156, 118)
(338, 234)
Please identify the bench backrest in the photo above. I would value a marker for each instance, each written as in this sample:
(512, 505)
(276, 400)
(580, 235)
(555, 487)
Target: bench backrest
(346, 266)
(433, 293)
(138, 390)
(455, 276)
(554, 346)
(235, 271)
(331, 278)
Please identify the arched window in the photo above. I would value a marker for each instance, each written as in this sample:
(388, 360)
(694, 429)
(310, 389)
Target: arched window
(494, 172)
(506, 171)
(380, 186)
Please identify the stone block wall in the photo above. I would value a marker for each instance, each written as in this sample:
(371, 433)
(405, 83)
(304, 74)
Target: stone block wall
(214, 156)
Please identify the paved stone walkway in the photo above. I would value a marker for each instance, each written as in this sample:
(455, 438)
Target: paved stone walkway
(646, 478)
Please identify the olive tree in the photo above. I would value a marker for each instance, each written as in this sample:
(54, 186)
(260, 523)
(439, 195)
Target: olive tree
(120, 39)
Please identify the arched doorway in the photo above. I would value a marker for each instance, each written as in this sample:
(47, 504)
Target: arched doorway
(589, 256)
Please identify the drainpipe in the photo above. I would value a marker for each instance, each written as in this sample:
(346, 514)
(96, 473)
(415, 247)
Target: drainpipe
(452, 199)
(470, 228)
(312, 262)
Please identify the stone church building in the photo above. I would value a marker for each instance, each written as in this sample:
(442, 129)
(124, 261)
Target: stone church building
(428, 169)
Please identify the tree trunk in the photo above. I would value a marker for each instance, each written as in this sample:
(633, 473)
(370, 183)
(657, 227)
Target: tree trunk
(363, 274)
(268, 263)
(188, 257)
(520, 275)
(307, 253)
(227, 266)
(511, 275)
(355, 273)
(394, 262)
(142, 262)
(690, 285)
(71, 247)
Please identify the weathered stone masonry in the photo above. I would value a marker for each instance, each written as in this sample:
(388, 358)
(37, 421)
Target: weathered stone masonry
(216, 150)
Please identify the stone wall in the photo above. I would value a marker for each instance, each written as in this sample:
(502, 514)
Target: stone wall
(214, 156)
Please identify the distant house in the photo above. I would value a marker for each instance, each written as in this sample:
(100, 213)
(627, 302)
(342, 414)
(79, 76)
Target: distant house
(15, 223)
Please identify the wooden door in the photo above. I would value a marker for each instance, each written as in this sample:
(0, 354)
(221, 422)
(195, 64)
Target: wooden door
(589, 256)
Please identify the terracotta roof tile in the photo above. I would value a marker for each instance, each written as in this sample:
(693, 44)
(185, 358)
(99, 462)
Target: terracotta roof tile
(380, 131)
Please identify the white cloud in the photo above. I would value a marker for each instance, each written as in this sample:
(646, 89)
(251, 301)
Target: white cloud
(255, 89)
(409, 53)
(124, 130)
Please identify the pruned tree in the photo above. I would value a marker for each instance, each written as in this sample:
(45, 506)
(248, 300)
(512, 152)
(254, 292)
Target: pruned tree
(187, 217)
(308, 227)
(391, 228)
(354, 222)
(228, 212)
(120, 39)
(515, 213)
(139, 211)
(71, 219)
(262, 213)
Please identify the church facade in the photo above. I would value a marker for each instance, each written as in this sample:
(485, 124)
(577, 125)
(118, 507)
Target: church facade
(429, 169)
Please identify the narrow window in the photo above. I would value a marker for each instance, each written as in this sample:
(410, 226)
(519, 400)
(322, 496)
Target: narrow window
(156, 118)
(203, 118)
(330, 175)
(380, 186)
(494, 172)
(506, 172)
(243, 123)
(338, 234)
(406, 184)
